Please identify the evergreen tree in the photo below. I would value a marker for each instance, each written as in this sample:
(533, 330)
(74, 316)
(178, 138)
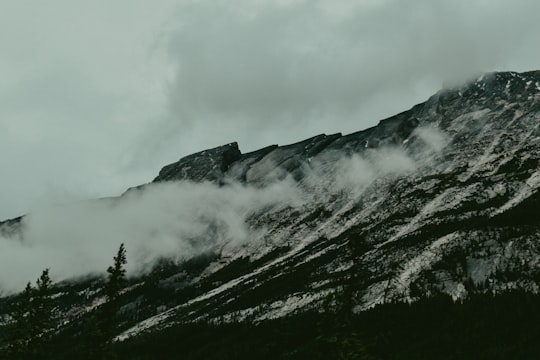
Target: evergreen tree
(20, 329)
(22, 310)
(102, 333)
(42, 307)
(41, 317)
(32, 319)
(117, 275)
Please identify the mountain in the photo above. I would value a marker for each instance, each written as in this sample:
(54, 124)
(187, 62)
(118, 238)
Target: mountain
(441, 199)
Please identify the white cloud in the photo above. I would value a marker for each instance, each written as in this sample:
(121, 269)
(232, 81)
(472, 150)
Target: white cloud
(180, 220)
(96, 96)
(176, 220)
(432, 137)
(264, 72)
(80, 82)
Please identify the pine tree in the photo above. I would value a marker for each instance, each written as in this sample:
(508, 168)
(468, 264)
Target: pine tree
(42, 307)
(22, 309)
(41, 316)
(32, 319)
(117, 275)
(101, 335)
(20, 331)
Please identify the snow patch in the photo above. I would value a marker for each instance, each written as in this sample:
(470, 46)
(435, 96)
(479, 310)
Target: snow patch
(529, 187)
(287, 306)
(144, 325)
(412, 268)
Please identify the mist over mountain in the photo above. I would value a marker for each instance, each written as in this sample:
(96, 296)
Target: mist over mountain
(440, 199)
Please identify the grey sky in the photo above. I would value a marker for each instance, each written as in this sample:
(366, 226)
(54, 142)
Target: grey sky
(97, 96)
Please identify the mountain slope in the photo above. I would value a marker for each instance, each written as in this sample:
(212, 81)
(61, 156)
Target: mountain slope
(442, 198)
(463, 217)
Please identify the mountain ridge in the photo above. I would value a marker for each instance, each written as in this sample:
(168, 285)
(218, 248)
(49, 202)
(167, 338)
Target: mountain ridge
(462, 176)
(403, 124)
(440, 198)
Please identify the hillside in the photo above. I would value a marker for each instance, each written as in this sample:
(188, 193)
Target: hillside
(442, 199)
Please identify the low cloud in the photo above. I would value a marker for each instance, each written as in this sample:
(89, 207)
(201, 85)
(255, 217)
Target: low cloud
(243, 70)
(174, 220)
(181, 220)
(95, 97)
(334, 173)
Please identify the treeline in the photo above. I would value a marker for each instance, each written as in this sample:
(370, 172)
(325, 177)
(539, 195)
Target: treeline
(505, 326)
(34, 331)
(31, 321)
(491, 327)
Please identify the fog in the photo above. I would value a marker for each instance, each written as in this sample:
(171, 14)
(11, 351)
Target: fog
(277, 71)
(173, 220)
(95, 97)
(181, 220)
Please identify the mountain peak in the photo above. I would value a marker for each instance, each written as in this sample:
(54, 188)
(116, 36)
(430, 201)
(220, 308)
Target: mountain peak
(204, 165)
(494, 91)
(441, 198)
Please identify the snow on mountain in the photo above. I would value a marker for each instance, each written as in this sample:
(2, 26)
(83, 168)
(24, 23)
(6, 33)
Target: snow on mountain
(443, 197)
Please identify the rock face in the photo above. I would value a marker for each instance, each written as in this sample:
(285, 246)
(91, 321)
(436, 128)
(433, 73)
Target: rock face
(274, 162)
(10, 227)
(209, 165)
(466, 219)
(444, 197)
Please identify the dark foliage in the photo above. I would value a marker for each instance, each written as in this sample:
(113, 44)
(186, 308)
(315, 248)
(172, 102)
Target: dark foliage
(483, 327)
(28, 335)
(117, 275)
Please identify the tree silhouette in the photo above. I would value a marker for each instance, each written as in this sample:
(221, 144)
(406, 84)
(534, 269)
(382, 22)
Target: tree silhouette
(102, 332)
(20, 328)
(42, 304)
(32, 320)
(117, 275)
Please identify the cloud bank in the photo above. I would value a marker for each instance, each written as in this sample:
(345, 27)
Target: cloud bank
(173, 220)
(249, 70)
(181, 220)
(95, 97)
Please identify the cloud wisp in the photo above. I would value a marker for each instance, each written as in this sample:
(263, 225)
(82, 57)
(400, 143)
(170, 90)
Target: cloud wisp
(174, 220)
(248, 69)
(109, 92)
(179, 220)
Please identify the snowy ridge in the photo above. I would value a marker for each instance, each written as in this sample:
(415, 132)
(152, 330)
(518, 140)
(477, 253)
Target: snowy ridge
(443, 197)
(487, 166)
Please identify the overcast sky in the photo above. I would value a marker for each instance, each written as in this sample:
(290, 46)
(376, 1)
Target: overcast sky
(96, 96)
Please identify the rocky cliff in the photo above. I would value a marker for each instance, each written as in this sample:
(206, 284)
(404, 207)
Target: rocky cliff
(462, 217)
(443, 197)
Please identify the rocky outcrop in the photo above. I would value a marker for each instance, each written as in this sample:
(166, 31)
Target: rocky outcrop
(9, 228)
(207, 165)
(461, 219)
(465, 220)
